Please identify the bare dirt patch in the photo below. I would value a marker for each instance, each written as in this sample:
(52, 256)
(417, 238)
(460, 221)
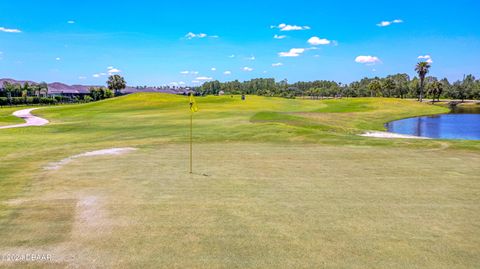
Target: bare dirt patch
(111, 151)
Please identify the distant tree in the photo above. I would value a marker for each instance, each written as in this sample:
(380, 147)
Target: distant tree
(348, 91)
(95, 93)
(435, 89)
(468, 84)
(43, 89)
(25, 90)
(446, 87)
(100, 93)
(107, 93)
(457, 91)
(422, 69)
(116, 83)
(414, 87)
(87, 98)
(283, 84)
(401, 84)
(388, 87)
(24, 96)
(476, 90)
(8, 88)
(374, 87)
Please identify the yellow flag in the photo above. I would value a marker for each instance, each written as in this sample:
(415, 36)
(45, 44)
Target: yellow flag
(193, 104)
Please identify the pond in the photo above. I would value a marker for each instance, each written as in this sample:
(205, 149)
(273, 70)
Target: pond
(460, 123)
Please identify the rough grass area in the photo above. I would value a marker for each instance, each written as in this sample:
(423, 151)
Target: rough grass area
(278, 184)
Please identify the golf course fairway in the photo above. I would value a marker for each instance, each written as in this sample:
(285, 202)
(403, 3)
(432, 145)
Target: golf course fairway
(277, 183)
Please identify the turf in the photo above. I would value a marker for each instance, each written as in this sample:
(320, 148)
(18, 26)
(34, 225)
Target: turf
(6, 117)
(278, 183)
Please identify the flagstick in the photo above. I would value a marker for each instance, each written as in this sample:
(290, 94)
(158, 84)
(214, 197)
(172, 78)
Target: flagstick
(191, 143)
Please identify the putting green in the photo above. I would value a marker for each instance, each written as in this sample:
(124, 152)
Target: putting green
(278, 184)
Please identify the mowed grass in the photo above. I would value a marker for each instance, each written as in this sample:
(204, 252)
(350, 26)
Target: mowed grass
(6, 117)
(278, 184)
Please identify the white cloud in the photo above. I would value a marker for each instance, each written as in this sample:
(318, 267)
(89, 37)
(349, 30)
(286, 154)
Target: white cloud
(9, 30)
(227, 73)
(427, 58)
(247, 69)
(384, 23)
(279, 36)
(99, 75)
(204, 78)
(70, 22)
(367, 60)
(388, 23)
(277, 64)
(315, 41)
(189, 72)
(112, 70)
(287, 27)
(251, 58)
(316, 56)
(82, 77)
(58, 58)
(213, 69)
(195, 81)
(231, 56)
(191, 35)
(295, 52)
(176, 84)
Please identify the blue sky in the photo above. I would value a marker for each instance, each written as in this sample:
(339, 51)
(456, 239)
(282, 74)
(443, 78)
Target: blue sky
(148, 42)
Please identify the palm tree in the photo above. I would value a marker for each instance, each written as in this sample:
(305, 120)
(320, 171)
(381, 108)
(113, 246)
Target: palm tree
(435, 90)
(116, 83)
(422, 69)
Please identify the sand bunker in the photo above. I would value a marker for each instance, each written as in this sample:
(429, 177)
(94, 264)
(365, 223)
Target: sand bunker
(111, 151)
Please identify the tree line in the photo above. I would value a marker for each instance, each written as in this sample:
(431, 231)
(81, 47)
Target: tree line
(33, 94)
(398, 85)
(21, 94)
